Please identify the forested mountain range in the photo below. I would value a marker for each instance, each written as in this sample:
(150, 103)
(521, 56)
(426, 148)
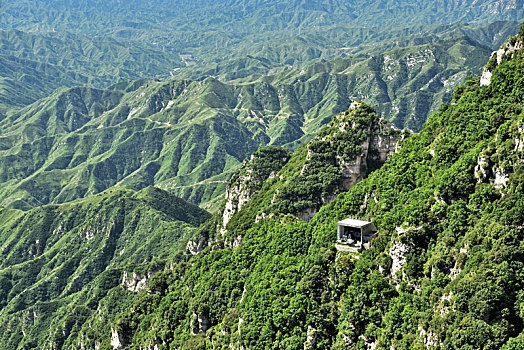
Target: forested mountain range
(35, 64)
(171, 174)
(444, 271)
(59, 261)
(37, 60)
(189, 136)
(96, 16)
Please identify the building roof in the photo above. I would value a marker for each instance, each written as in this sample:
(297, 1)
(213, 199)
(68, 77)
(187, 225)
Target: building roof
(353, 223)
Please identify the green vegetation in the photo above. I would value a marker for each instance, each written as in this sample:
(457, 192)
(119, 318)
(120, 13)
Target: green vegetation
(99, 43)
(445, 270)
(34, 65)
(81, 141)
(262, 165)
(60, 261)
(135, 18)
(94, 257)
(331, 162)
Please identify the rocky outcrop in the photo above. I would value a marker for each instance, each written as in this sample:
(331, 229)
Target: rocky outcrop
(247, 181)
(200, 323)
(383, 140)
(398, 253)
(494, 166)
(482, 169)
(309, 213)
(509, 48)
(501, 178)
(136, 283)
(238, 194)
(118, 340)
(445, 305)
(428, 338)
(263, 165)
(196, 246)
(311, 339)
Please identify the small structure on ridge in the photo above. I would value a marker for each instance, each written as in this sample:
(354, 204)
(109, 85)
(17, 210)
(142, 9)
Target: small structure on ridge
(354, 234)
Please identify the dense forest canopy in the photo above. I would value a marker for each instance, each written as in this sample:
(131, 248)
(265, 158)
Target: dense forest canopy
(444, 272)
(122, 123)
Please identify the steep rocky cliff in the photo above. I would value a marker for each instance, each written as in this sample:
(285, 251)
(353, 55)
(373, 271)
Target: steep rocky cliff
(506, 52)
(347, 150)
(344, 152)
(262, 165)
(381, 141)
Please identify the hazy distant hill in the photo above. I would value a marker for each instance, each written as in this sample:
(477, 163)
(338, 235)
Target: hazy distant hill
(245, 16)
(115, 41)
(34, 65)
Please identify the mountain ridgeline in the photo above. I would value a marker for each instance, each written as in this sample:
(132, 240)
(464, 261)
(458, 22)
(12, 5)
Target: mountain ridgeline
(40, 54)
(443, 272)
(189, 136)
(172, 174)
(34, 65)
(273, 183)
(131, 18)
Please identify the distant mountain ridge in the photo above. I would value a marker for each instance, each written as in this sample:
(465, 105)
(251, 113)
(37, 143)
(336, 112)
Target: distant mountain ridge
(136, 15)
(144, 40)
(34, 64)
(189, 136)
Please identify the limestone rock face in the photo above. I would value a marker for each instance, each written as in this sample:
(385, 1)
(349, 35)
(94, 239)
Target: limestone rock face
(195, 246)
(311, 341)
(428, 338)
(485, 78)
(118, 341)
(237, 195)
(398, 254)
(136, 283)
(262, 165)
(507, 49)
(497, 170)
(381, 143)
(309, 213)
(245, 183)
(201, 324)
